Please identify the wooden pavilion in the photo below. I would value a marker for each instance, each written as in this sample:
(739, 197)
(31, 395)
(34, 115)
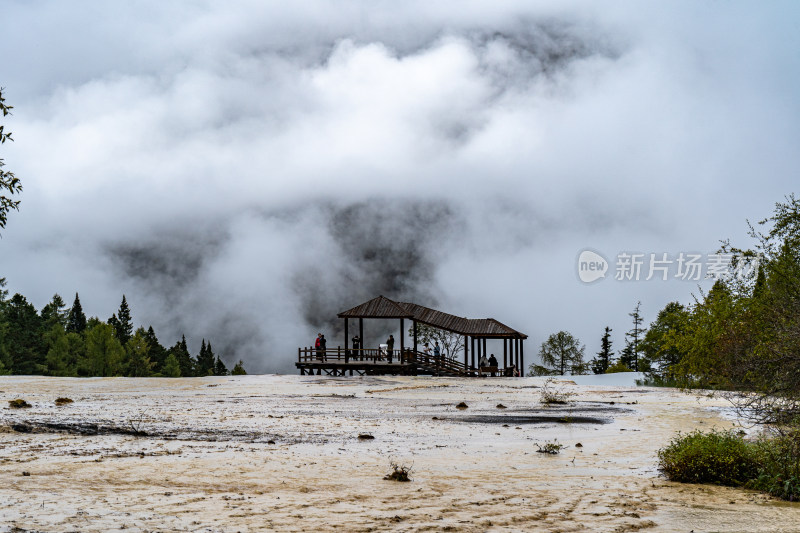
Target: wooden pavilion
(408, 359)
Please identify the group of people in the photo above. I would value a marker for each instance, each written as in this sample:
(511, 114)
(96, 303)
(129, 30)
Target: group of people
(483, 362)
(436, 350)
(492, 361)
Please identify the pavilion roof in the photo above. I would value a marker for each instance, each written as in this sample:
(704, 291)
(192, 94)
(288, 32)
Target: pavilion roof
(382, 307)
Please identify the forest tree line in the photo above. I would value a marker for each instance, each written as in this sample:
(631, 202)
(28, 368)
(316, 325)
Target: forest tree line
(61, 341)
(742, 335)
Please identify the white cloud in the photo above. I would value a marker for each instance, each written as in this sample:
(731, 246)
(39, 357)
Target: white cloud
(244, 171)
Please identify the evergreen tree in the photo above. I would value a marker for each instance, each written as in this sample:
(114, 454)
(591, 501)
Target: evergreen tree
(104, 353)
(5, 354)
(629, 356)
(205, 360)
(66, 350)
(138, 354)
(171, 369)
(23, 337)
(124, 325)
(54, 312)
(184, 358)
(238, 369)
(601, 363)
(158, 354)
(76, 320)
(219, 368)
(113, 321)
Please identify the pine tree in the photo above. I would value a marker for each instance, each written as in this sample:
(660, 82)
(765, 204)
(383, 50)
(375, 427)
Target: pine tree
(629, 356)
(172, 369)
(54, 313)
(23, 337)
(104, 353)
(219, 368)
(238, 369)
(123, 325)
(158, 354)
(603, 360)
(76, 320)
(138, 353)
(205, 360)
(184, 358)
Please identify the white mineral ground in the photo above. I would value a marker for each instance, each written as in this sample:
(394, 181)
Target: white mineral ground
(260, 453)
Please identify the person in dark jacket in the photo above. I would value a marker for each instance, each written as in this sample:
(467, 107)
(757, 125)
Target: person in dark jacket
(390, 346)
(356, 346)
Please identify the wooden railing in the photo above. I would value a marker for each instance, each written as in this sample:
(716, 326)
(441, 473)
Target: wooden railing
(441, 363)
(340, 355)
(428, 362)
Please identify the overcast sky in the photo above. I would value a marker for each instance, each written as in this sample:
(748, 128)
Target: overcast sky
(243, 171)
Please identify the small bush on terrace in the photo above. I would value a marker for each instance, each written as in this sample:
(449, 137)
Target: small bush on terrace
(719, 457)
(769, 464)
(779, 466)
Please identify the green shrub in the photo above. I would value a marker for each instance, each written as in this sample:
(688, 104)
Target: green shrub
(779, 466)
(719, 457)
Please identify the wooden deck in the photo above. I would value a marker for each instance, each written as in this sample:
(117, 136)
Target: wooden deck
(370, 362)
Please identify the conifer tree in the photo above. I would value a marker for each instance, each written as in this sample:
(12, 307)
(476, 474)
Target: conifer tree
(219, 368)
(54, 312)
(603, 360)
(76, 320)
(238, 369)
(138, 354)
(171, 369)
(629, 356)
(184, 358)
(205, 360)
(158, 354)
(123, 325)
(23, 337)
(104, 353)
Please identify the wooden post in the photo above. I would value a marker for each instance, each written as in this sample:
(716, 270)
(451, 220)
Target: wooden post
(361, 336)
(466, 356)
(475, 354)
(346, 349)
(402, 339)
(512, 357)
(505, 353)
(415, 338)
(521, 359)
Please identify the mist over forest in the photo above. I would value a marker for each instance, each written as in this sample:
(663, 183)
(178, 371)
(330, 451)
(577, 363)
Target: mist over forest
(244, 172)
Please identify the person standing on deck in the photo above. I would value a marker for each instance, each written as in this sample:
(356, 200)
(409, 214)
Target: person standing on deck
(322, 344)
(390, 346)
(356, 346)
(436, 350)
(317, 343)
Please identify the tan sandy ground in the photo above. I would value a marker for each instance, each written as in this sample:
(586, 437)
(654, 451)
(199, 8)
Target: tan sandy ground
(261, 453)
